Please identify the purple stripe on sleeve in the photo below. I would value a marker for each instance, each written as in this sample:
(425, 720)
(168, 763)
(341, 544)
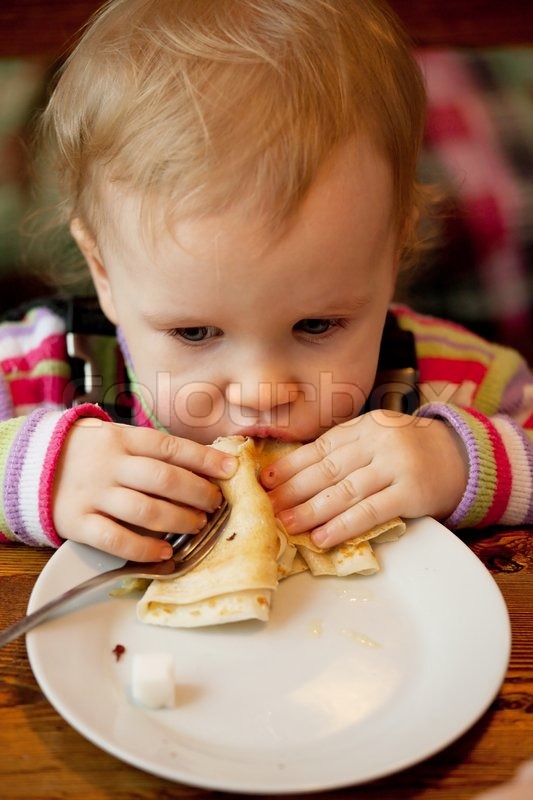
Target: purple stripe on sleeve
(12, 475)
(513, 395)
(123, 347)
(6, 406)
(445, 412)
(23, 328)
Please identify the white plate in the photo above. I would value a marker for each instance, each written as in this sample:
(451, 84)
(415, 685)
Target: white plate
(350, 680)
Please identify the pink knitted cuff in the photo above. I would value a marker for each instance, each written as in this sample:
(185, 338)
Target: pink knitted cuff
(61, 430)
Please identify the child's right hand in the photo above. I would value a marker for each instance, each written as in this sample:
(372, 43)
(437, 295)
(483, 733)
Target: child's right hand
(112, 480)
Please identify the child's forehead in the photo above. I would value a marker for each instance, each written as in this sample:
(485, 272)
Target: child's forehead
(354, 178)
(355, 168)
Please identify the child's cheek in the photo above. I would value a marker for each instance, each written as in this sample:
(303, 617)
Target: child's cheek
(339, 401)
(196, 405)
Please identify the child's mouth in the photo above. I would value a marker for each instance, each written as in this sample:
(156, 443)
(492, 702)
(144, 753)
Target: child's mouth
(267, 432)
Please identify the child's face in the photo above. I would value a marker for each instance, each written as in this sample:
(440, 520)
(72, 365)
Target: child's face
(232, 331)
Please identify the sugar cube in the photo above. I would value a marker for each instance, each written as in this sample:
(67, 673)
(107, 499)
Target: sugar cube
(152, 680)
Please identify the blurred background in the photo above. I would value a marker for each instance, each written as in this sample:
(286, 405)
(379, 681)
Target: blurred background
(478, 66)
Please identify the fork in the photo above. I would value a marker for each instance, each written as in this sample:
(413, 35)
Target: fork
(188, 550)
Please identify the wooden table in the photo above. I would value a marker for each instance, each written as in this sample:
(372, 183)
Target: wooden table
(42, 757)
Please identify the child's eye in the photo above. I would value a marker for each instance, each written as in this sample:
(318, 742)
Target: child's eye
(197, 334)
(317, 327)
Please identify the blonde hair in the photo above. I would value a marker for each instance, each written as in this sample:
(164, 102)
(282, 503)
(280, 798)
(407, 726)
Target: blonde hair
(202, 104)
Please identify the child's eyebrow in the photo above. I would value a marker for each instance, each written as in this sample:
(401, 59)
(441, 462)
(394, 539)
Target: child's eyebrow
(170, 319)
(182, 318)
(346, 308)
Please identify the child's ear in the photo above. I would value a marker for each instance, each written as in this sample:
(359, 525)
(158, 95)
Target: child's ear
(87, 244)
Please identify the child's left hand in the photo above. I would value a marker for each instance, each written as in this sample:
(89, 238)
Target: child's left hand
(366, 471)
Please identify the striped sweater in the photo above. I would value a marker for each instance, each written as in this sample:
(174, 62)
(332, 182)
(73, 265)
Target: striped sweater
(484, 391)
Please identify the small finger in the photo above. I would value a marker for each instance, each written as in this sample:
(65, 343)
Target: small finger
(151, 513)
(165, 480)
(285, 468)
(111, 537)
(319, 476)
(332, 501)
(199, 458)
(358, 519)
(312, 453)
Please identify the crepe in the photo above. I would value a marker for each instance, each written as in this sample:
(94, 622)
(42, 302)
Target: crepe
(347, 558)
(237, 580)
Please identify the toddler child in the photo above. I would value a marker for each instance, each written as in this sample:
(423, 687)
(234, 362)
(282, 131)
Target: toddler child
(240, 177)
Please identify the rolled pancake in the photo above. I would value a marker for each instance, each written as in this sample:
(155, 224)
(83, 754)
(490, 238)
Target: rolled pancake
(236, 580)
(353, 556)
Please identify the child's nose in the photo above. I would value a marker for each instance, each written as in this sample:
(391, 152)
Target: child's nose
(261, 394)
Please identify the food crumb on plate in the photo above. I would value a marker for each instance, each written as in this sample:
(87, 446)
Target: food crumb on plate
(118, 651)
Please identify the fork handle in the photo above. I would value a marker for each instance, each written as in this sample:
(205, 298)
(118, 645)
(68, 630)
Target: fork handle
(32, 620)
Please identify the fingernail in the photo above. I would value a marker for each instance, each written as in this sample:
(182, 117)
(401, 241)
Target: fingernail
(202, 521)
(320, 538)
(165, 552)
(268, 477)
(229, 466)
(275, 504)
(287, 519)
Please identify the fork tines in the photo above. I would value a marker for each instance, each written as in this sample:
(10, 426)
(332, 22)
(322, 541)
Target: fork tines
(186, 544)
